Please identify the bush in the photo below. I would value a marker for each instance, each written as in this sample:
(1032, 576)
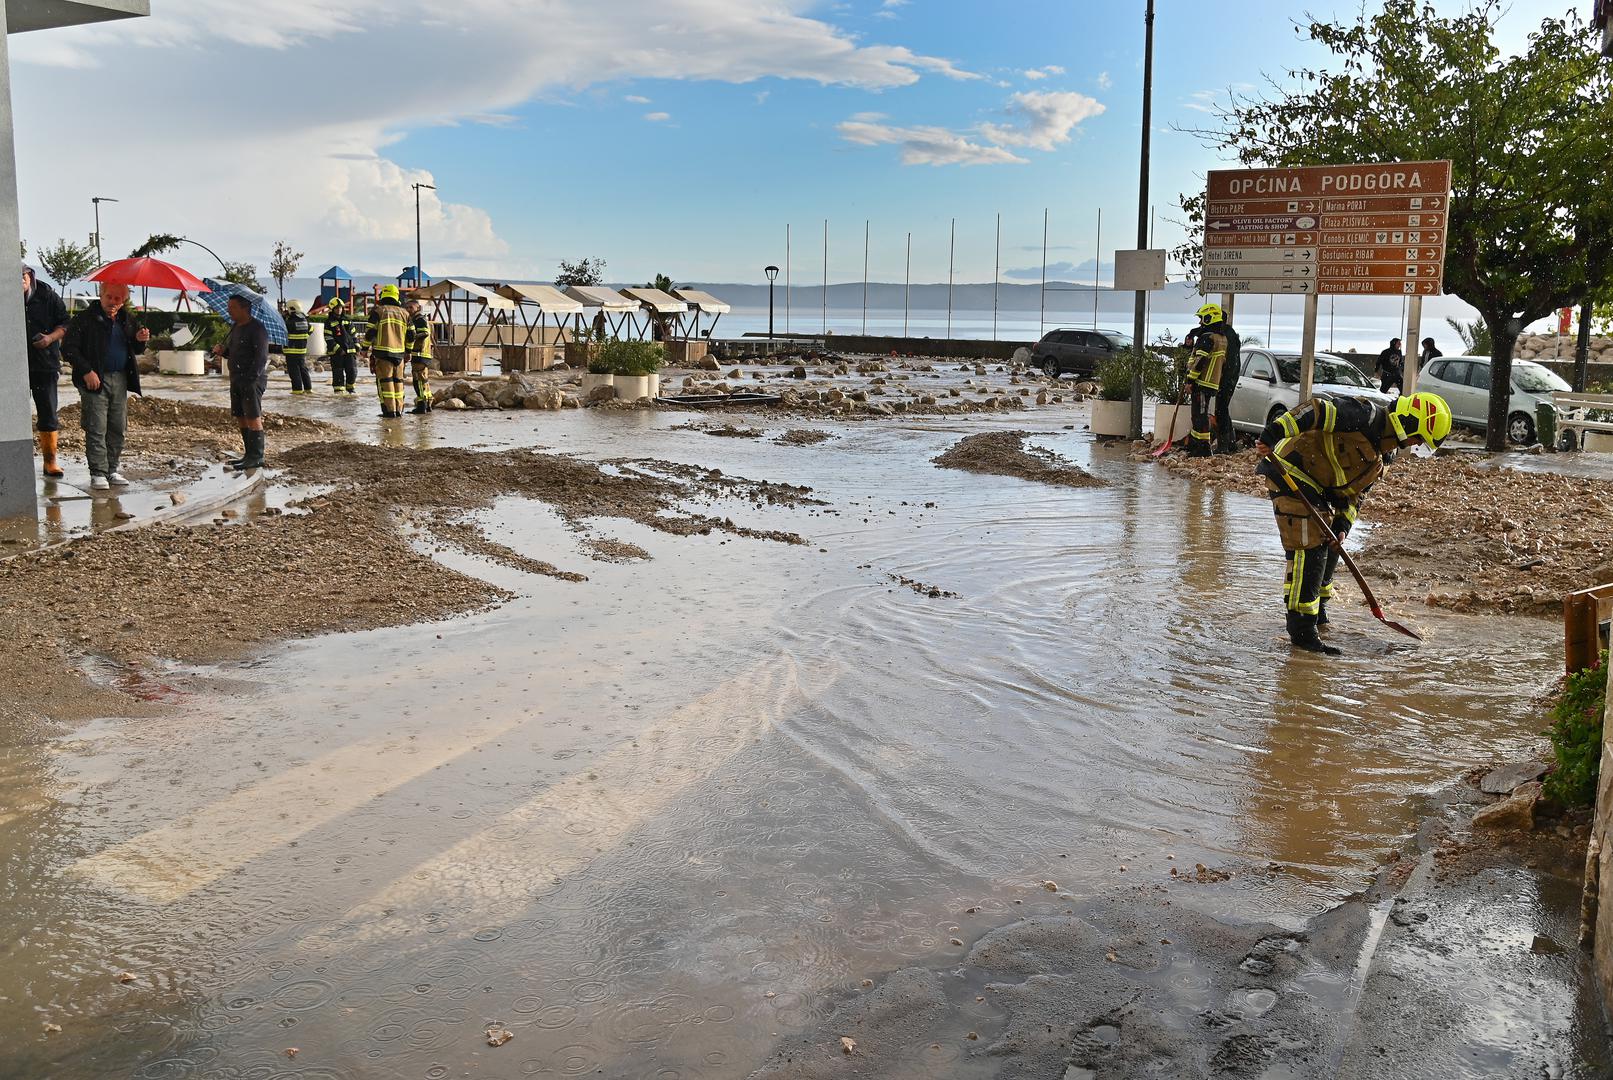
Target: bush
(628, 357)
(1576, 736)
(1114, 376)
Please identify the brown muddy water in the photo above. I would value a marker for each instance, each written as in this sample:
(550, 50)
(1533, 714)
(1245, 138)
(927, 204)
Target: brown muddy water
(658, 823)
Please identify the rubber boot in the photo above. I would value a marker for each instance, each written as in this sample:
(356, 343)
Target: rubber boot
(1321, 615)
(254, 452)
(246, 451)
(419, 407)
(1302, 632)
(47, 450)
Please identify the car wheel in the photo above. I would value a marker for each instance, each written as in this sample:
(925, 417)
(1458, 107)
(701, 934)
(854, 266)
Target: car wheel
(1276, 411)
(1050, 368)
(1521, 429)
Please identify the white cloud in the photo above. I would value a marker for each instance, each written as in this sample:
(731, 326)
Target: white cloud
(923, 145)
(1201, 101)
(761, 96)
(1104, 81)
(636, 99)
(657, 117)
(1046, 119)
(1034, 74)
(311, 165)
(1053, 69)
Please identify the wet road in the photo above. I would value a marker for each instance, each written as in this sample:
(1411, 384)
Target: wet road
(657, 822)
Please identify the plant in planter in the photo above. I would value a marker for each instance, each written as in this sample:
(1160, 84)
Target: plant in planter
(1111, 413)
(634, 367)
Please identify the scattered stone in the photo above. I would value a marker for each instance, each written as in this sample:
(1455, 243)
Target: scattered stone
(498, 1035)
(848, 1045)
(1516, 811)
(1003, 453)
(176, 498)
(1508, 778)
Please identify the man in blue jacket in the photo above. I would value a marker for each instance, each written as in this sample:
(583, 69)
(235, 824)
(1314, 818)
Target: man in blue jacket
(102, 344)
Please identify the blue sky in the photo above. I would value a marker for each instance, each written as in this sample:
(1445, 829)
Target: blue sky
(676, 136)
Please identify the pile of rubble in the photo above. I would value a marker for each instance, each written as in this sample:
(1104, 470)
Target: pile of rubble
(517, 390)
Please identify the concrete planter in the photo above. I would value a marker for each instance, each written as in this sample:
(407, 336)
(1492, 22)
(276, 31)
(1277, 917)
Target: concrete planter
(590, 381)
(1163, 428)
(316, 340)
(1111, 418)
(633, 387)
(182, 362)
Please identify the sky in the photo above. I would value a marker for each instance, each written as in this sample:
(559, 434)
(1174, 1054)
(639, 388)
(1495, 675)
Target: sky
(664, 136)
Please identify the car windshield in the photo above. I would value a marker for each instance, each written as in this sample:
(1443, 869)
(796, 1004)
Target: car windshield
(1119, 341)
(1534, 379)
(1328, 370)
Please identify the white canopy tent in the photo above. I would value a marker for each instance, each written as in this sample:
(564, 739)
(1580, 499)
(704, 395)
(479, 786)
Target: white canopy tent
(702, 303)
(478, 303)
(535, 303)
(663, 312)
(612, 310)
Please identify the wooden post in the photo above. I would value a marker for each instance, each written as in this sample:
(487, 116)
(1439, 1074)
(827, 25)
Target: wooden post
(1307, 355)
(1414, 332)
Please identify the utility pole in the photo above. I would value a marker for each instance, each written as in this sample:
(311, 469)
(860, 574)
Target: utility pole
(419, 272)
(1140, 319)
(1042, 329)
(825, 327)
(907, 282)
(865, 277)
(996, 274)
(952, 247)
(98, 200)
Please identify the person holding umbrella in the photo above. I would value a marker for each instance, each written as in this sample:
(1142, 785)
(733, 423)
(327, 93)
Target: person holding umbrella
(246, 357)
(102, 343)
(46, 317)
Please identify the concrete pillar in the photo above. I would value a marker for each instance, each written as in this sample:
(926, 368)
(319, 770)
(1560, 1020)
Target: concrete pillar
(16, 426)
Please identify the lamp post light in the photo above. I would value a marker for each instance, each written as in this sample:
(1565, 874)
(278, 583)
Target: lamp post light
(98, 200)
(418, 272)
(772, 276)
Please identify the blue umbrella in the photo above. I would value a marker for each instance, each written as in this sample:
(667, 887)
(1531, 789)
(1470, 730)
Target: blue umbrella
(263, 311)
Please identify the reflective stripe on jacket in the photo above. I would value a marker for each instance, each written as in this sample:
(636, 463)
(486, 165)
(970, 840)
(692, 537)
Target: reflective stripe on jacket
(420, 337)
(1209, 357)
(1332, 446)
(388, 331)
(297, 330)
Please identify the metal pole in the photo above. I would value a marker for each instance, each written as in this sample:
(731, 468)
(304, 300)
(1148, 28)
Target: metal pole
(952, 245)
(996, 272)
(787, 289)
(97, 200)
(1140, 307)
(1271, 310)
(1042, 328)
(825, 277)
(1414, 329)
(1097, 268)
(865, 277)
(907, 282)
(1331, 304)
(419, 271)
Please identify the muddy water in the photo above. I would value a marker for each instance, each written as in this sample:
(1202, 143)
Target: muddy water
(658, 823)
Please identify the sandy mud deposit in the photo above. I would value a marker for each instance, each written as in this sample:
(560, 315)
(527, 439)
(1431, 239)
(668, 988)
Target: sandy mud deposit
(166, 426)
(1004, 453)
(1465, 535)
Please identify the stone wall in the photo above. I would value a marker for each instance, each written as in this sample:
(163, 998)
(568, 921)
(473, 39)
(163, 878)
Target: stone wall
(1597, 912)
(1552, 347)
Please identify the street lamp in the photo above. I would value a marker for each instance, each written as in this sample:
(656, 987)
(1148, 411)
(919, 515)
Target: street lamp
(418, 273)
(772, 276)
(98, 200)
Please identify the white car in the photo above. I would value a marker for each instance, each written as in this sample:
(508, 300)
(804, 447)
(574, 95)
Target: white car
(1268, 386)
(1464, 383)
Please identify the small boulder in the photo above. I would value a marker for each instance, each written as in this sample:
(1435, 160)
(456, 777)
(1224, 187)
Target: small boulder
(1516, 811)
(599, 394)
(542, 397)
(799, 371)
(708, 363)
(1508, 778)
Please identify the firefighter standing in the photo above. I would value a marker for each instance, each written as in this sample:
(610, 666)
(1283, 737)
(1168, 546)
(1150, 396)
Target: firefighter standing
(297, 331)
(387, 338)
(339, 342)
(1205, 370)
(420, 356)
(1328, 452)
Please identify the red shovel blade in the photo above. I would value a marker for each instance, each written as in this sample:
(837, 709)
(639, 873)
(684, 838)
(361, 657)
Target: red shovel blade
(1391, 624)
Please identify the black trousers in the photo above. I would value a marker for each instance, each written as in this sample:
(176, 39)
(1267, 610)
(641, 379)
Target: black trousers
(1223, 412)
(297, 368)
(343, 370)
(43, 388)
(1200, 402)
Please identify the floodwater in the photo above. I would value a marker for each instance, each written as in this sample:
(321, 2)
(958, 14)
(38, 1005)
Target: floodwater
(656, 823)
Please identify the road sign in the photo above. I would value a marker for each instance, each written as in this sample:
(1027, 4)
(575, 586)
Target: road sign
(1368, 229)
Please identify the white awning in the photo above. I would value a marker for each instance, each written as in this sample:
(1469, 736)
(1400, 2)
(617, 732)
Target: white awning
(657, 301)
(702, 301)
(597, 296)
(550, 299)
(446, 287)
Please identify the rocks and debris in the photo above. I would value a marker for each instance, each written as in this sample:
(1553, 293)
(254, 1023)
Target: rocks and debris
(1506, 779)
(498, 1034)
(730, 431)
(848, 1045)
(1464, 535)
(803, 437)
(469, 536)
(160, 425)
(1004, 453)
(605, 549)
(1516, 811)
(922, 589)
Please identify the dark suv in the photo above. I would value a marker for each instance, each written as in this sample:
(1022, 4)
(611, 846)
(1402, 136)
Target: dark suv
(1062, 352)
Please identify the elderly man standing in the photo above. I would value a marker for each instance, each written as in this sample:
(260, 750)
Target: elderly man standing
(46, 317)
(102, 344)
(246, 358)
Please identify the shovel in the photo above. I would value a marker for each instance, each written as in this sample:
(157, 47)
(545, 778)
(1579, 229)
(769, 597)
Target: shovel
(1170, 440)
(1355, 571)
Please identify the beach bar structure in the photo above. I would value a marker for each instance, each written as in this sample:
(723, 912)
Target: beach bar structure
(542, 311)
(337, 281)
(663, 313)
(613, 312)
(465, 317)
(693, 344)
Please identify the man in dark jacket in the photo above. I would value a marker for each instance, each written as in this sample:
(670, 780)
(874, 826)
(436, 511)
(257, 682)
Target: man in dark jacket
(102, 344)
(298, 329)
(1392, 368)
(46, 317)
(246, 358)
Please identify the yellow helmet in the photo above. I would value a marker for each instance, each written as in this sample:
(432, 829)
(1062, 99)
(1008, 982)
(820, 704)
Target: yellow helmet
(335, 301)
(1210, 313)
(1421, 414)
(389, 292)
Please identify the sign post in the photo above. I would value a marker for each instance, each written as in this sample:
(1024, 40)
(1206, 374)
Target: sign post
(1374, 229)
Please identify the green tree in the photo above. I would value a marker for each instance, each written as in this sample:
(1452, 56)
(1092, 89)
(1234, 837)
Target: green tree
(243, 273)
(1475, 337)
(1529, 137)
(67, 262)
(283, 265)
(582, 272)
(156, 244)
(661, 282)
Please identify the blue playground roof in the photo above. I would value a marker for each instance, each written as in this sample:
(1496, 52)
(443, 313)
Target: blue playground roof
(340, 273)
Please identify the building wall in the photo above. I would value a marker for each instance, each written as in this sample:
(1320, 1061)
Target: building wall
(16, 425)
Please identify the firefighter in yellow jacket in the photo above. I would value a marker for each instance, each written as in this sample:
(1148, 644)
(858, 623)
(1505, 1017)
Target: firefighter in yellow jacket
(420, 356)
(1328, 452)
(387, 339)
(1214, 348)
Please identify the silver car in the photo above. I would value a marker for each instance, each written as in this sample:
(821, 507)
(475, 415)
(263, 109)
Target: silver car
(1464, 383)
(1269, 386)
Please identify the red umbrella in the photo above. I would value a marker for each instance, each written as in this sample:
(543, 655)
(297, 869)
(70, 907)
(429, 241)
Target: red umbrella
(151, 273)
